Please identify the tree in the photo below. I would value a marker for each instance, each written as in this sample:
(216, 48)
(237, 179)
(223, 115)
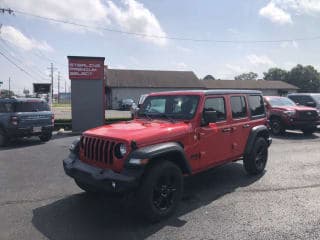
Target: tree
(306, 78)
(247, 76)
(209, 77)
(4, 93)
(276, 74)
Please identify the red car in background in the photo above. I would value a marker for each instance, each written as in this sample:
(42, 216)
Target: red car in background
(284, 114)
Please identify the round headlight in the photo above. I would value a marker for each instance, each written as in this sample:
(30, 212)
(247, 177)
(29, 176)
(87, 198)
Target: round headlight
(122, 149)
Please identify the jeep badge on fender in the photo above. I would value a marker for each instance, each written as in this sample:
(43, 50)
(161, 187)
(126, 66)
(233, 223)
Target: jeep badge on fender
(174, 135)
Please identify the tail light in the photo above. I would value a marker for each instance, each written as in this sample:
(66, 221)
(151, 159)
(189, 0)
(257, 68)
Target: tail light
(14, 120)
(52, 119)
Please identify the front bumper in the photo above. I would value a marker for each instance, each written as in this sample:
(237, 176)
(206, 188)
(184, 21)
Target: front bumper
(104, 180)
(297, 124)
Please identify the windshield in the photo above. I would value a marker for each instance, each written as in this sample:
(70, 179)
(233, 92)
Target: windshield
(281, 102)
(31, 106)
(316, 97)
(175, 107)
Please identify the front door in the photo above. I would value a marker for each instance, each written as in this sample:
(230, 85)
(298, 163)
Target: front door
(214, 138)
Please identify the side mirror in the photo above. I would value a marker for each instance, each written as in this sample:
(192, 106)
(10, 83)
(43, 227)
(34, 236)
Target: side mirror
(209, 117)
(311, 104)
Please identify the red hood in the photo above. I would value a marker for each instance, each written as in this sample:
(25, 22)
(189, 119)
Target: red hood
(297, 108)
(142, 131)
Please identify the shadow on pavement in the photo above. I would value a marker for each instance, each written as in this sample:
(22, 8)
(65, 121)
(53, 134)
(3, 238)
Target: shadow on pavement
(32, 141)
(296, 135)
(81, 216)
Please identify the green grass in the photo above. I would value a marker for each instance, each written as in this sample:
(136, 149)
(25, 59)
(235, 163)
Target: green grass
(61, 105)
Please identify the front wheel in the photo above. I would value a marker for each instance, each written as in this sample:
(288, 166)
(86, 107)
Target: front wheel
(3, 138)
(45, 137)
(277, 127)
(255, 162)
(160, 191)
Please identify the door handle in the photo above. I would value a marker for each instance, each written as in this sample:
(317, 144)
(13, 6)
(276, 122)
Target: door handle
(225, 130)
(246, 126)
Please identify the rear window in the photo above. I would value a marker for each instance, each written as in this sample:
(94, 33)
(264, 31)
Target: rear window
(6, 107)
(31, 107)
(238, 107)
(256, 105)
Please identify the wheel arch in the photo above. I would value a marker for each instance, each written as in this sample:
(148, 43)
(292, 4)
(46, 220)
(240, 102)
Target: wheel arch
(171, 151)
(256, 132)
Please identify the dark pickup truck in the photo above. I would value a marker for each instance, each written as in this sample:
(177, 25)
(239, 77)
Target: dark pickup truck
(25, 117)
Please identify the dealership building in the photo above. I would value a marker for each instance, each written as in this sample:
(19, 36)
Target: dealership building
(124, 84)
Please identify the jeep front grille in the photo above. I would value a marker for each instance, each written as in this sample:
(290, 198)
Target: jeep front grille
(98, 150)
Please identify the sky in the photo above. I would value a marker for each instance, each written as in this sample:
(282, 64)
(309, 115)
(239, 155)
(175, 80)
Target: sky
(221, 38)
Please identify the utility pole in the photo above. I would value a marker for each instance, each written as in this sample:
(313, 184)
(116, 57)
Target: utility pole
(51, 68)
(58, 87)
(9, 87)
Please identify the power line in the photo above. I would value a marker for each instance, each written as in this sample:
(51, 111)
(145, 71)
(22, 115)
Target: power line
(16, 65)
(163, 37)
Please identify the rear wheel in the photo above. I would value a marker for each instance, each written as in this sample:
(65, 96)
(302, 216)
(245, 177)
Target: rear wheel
(255, 162)
(45, 137)
(160, 191)
(277, 127)
(308, 131)
(3, 138)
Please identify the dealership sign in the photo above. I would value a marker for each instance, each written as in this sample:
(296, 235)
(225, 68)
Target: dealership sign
(86, 68)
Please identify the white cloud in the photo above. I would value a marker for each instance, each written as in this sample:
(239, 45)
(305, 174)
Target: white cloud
(300, 6)
(260, 60)
(275, 14)
(17, 38)
(235, 68)
(289, 44)
(134, 17)
(129, 15)
(181, 65)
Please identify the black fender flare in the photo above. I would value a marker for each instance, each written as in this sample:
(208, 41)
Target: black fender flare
(260, 130)
(162, 150)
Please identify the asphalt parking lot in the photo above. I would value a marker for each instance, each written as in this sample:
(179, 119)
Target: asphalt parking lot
(38, 201)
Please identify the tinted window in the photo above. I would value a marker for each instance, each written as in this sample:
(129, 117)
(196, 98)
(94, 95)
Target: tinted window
(238, 107)
(302, 100)
(5, 107)
(218, 105)
(31, 106)
(256, 105)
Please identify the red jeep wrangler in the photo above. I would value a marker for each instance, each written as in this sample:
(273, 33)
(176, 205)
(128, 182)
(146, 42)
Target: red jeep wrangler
(284, 114)
(174, 134)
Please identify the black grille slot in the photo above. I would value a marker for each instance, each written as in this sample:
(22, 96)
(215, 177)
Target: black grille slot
(97, 150)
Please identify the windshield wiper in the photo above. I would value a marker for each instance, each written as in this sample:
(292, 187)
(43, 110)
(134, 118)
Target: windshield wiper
(146, 115)
(167, 117)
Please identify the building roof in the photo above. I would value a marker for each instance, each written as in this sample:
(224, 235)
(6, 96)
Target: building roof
(123, 78)
(248, 84)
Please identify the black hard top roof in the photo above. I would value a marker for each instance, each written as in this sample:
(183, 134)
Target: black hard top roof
(210, 92)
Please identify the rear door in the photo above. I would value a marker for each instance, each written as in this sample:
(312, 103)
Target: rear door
(240, 126)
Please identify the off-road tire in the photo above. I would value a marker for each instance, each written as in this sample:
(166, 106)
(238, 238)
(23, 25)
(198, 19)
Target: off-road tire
(308, 131)
(161, 185)
(3, 138)
(277, 127)
(256, 160)
(45, 137)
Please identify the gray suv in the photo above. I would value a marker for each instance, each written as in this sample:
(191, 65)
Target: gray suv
(25, 117)
(306, 99)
